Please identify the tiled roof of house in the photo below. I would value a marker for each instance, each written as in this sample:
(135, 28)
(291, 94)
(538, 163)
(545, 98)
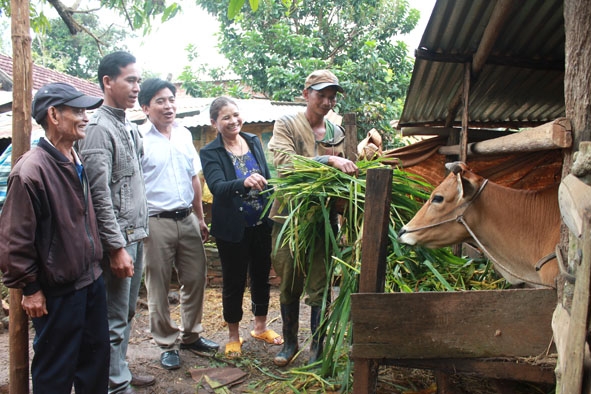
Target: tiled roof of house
(42, 76)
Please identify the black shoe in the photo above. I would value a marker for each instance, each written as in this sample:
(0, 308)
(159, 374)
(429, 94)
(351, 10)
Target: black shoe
(142, 380)
(201, 345)
(170, 359)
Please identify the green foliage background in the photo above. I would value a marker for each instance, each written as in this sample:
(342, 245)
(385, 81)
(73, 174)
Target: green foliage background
(79, 54)
(274, 48)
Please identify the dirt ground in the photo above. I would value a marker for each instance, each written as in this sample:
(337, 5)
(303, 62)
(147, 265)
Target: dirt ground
(255, 372)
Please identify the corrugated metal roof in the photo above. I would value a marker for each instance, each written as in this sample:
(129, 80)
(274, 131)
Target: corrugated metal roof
(252, 111)
(522, 80)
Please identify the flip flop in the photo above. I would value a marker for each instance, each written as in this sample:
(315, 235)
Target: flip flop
(269, 336)
(234, 348)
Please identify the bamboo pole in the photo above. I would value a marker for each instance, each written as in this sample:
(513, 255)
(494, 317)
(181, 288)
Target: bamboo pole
(21, 142)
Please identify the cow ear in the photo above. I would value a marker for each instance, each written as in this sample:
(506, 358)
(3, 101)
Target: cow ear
(460, 183)
(469, 188)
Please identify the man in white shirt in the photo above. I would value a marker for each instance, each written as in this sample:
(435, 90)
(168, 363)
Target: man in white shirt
(176, 226)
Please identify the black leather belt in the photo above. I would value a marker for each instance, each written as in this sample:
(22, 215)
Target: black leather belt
(176, 215)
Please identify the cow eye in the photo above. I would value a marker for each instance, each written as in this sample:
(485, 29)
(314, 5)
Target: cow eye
(437, 199)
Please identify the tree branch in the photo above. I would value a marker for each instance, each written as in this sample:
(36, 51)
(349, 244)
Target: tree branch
(99, 42)
(66, 14)
(124, 9)
(88, 11)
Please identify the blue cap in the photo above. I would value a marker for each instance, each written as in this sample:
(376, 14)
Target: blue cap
(59, 93)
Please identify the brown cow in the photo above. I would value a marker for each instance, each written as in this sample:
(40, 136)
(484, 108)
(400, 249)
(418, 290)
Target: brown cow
(516, 229)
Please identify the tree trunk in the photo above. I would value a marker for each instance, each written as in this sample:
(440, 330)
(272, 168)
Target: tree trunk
(21, 142)
(577, 91)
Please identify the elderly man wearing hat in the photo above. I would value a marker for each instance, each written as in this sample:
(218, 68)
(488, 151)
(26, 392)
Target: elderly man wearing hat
(51, 249)
(311, 134)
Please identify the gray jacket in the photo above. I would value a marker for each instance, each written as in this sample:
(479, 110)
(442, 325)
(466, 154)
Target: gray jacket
(112, 151)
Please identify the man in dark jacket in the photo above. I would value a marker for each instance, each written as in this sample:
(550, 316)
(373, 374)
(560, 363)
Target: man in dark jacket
(51, 249)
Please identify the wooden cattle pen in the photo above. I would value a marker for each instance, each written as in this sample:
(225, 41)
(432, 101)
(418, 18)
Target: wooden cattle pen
(501, 334)
(483, 68)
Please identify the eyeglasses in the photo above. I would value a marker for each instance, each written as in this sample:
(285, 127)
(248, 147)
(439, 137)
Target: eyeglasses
(330, 144)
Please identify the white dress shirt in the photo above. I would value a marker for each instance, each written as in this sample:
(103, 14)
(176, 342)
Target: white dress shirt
(169, 166)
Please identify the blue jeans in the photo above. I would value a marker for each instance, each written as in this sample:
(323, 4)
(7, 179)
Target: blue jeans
(72, 343)
(122, 297)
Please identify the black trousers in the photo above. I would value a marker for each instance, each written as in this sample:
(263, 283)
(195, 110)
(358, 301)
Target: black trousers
(72, 343)
(251, 258)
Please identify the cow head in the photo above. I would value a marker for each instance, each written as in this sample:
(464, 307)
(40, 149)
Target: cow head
(435, 224)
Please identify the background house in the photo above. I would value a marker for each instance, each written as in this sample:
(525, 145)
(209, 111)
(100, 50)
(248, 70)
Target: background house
(259, 114)
(41, 76)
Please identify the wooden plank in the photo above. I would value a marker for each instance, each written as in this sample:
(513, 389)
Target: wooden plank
(507, 368)
(572, 381)
(553, 135)
(501, 323)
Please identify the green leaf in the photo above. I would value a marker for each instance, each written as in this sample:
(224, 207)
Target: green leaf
(254, 4)
(170, 12)
(234, 8)
(438, 275)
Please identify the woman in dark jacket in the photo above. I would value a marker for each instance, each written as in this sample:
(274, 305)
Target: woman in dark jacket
(236, 172)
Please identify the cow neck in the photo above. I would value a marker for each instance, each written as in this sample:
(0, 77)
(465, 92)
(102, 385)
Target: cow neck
(495, 261)
(460, 219)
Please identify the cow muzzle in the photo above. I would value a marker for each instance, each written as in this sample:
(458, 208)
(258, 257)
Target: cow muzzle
(405, 237)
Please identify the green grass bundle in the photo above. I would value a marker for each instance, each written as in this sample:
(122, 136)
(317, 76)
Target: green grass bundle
(309, 192)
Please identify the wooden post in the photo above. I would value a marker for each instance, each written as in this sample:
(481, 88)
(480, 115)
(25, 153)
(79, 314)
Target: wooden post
(465, 113)
(21, 141)
(572, 381)
(463, 143)
(350, 125)
(373, 260)
(378, 194)
(577, 92)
